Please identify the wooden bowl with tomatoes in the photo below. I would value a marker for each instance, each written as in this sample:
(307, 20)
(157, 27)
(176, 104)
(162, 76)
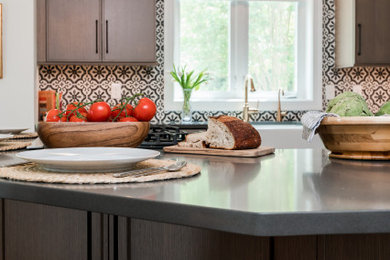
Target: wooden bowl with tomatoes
(99, 125)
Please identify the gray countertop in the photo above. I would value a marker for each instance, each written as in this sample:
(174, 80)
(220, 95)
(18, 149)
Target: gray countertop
(294, 192)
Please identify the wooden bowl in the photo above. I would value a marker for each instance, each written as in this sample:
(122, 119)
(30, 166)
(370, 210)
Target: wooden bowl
(88, 134)
(362, 138)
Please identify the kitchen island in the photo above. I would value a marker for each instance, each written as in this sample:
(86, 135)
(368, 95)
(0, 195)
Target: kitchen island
(296, 204)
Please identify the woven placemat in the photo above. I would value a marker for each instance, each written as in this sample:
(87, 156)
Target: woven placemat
(10, 146)
(25, 136)
(33, 173)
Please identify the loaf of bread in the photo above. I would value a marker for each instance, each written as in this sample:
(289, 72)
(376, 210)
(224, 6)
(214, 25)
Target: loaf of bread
(225, 132)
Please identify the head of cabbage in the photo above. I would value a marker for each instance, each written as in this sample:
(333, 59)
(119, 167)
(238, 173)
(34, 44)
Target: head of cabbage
(349, 104)
(384, 110)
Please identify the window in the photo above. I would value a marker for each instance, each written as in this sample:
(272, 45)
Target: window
(278, 42)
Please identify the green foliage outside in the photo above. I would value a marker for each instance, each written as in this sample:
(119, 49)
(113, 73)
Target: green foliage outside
(204, 42)
(272, 35)
(204, 30)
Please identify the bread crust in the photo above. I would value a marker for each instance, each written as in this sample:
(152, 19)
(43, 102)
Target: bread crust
(244, 134)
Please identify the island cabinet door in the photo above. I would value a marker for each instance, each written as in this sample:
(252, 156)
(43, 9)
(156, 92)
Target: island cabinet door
(129, 31)
(146, 240)
(1, 230)
(33, 231)
(354, 247)
(73, 30)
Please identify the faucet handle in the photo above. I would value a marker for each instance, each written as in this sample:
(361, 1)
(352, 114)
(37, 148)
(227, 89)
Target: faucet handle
(280, 114)
(281, 91)
(253, 89)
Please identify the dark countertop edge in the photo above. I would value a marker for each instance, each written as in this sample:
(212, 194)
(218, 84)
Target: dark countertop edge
(247, 223)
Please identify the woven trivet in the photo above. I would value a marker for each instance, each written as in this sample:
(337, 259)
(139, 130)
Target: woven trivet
(10, 146)
(25, 136)
(33, 173)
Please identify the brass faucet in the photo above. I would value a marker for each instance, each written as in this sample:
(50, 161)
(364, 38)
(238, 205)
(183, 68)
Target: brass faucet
(280, 114)
(246, 109)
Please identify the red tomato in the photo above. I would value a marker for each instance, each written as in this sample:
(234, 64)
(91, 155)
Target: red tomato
(52, 116)
(79, 118)
(145, 110)
(72, 106)
(128, 111)
(128, 119)
(99, 112)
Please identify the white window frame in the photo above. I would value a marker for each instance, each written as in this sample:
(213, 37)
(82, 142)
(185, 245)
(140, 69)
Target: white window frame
(309, 99)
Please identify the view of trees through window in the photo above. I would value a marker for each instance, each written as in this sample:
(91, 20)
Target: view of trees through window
(272, 38)
(205, 42)
(204, 39)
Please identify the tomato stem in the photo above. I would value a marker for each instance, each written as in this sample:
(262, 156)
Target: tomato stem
(123, 105)
(76, 109)
(57, 100)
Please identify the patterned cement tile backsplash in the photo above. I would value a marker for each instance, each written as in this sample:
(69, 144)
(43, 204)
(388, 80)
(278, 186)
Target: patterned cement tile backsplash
(374, 81)
(86, 83)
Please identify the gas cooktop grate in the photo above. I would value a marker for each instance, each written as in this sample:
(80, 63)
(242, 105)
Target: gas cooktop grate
(163, 135)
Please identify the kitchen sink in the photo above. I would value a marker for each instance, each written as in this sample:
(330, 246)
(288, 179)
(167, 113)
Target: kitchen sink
(285, 135)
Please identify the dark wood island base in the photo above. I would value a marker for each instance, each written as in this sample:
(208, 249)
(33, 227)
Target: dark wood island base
(34, 231)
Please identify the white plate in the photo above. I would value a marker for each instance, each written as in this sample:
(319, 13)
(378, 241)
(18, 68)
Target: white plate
(3, 136)
(91, 159)
(12, 130)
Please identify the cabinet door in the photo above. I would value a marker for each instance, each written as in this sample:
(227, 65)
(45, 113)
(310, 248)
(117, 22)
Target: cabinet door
(129, 30)
(372, 32)
(354, 247)
(143, 240)
(1, 230)
(73, 30)
(34, 231)
(41, 30)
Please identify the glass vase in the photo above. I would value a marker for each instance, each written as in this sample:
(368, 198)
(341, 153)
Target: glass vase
(186, 113)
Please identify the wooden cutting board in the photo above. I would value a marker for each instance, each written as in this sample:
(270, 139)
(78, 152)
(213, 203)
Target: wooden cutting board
(260, 151)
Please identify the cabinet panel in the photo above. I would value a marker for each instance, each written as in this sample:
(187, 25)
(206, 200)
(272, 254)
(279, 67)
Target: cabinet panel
(152, 240)
(99, 236)
(129, 30)
(372, 32)
(354, 247)
(1, 230)
(34, 231)
(295, 248)
(41, 30)
(73, 30)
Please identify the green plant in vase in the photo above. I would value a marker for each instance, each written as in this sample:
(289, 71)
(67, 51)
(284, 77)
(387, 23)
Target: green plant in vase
(188, 81)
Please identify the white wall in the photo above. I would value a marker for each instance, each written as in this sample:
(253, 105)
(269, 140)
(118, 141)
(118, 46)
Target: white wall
(17, 88)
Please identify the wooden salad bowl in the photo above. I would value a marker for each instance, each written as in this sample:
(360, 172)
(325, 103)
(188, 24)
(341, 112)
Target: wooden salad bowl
(361, 138)
(89, 134)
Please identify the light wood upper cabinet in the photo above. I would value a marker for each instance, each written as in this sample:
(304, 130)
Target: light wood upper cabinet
(362, 32)
(96, 31)
(129, 30)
